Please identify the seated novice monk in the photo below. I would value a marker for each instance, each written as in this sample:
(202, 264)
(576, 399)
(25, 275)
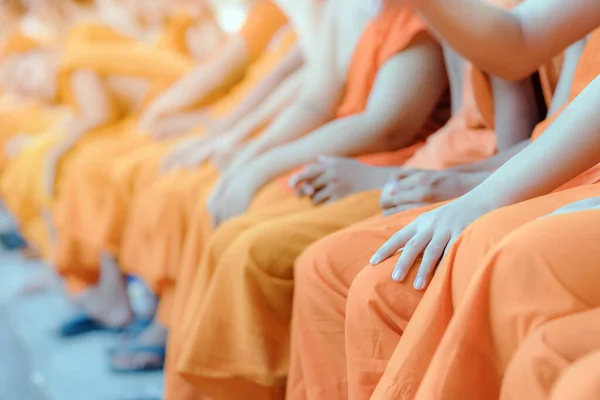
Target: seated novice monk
(325, 273)
(91, 212)
(257, 251)
(510, 257)
(87, 64)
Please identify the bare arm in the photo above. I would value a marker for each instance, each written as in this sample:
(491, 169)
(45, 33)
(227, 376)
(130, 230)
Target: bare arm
(516, 114)
(206, 79)
(94, 106)
(562, 94)
(560, 98)
(391, 120)
(288, 66)
(511, 44)
(570, 146)
(282, 97)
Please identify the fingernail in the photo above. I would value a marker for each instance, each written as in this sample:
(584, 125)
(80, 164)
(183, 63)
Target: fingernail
(397, 275)
(376, 259)
(419, 283)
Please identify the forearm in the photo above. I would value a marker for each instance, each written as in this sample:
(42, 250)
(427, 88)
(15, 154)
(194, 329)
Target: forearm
(343, 137)
(562, 93)
(208, 78)
(510, 44)
(77, 128)
(298, 120)
(494, 162)
(567, 148)
(268, 110)
(266, 88)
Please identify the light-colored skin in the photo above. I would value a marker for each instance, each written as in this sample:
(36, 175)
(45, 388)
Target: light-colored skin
(220, 142)
(220, 72)
(536, 31)
(415, 188)
(308, 128)
(569, 147)
(332, 179)
(509, 44)
(581, 205)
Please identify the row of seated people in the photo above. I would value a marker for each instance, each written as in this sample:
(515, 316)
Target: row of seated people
(336, 199)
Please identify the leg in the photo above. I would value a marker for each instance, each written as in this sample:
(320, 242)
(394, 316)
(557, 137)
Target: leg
(413, 356)
(324, 275)
(192, 282)
(548, 353)
(253, 285)
(581, 381)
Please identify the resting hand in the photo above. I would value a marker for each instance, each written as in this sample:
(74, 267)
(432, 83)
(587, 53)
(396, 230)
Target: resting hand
(333, 178)
(233, 161)
(15, 144)
(190, 153)
(416, 188)
(172, 126)
(233, 194)
(432, 234)
(157, 110)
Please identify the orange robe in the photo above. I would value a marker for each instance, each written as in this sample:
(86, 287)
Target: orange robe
(22, 117)
(560, 359)
(102, 50)
(347, 319)
(466, 352)
(90, 215)
(251, 257)
(357, 314)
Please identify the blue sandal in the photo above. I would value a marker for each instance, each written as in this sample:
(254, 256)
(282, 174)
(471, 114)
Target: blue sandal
(133, 349)
(12, 241)
(82, 323)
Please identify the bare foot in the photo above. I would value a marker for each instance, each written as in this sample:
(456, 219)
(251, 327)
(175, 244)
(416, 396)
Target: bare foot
(126, 357)
(107, 302)
(333, 178)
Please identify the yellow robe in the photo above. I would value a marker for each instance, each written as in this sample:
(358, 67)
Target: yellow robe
(104, 51)
(90, 216)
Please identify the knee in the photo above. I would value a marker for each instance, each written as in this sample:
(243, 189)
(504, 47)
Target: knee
(374, 295)
(531, 371)
(317, 283)
(268, 248)
(229, 234)
(581, 381)
(522, 263)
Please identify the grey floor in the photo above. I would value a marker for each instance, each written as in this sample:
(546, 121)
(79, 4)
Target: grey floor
(37, 365)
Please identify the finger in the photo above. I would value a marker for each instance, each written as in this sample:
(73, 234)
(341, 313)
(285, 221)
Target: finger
(450, 244)
(323, 180)
(408, 183)
(307, 174)
(410, 196)
(393, 244)
(306, 189)
(323, 195)
(401, 174)
(431, 258)
(411, 251)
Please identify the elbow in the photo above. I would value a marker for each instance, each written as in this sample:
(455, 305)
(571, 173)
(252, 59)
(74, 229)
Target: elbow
(512, 72)
(98, 118)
